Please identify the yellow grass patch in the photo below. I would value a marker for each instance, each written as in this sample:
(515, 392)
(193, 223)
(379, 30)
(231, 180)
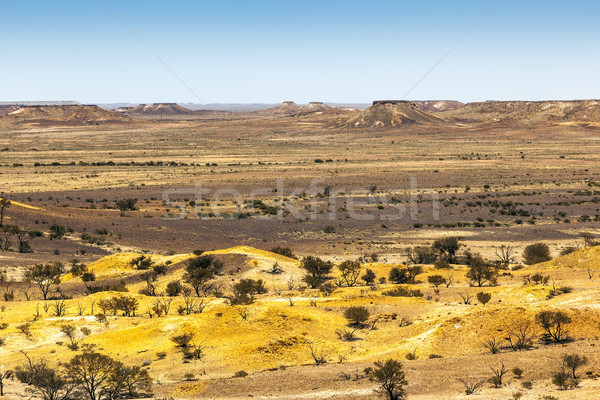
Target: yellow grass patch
(253, 252)
(19, 204)
(119, 264)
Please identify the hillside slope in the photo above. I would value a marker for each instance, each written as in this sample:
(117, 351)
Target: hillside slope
(529, 112)
(285, 108)
(437, 105)
(389, 114)
(62, 115)
(160, 109)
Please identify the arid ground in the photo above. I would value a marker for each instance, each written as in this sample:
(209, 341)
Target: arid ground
(333, 183)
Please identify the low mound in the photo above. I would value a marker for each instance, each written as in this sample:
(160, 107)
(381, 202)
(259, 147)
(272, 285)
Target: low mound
(19, 204)
(7, 109)
(160, 109)
(319, 107)
(285, 108)
(316, 106)
(290, 108)
(529, 112)
(438, 105)
(588, 258)
(389, 114)
(62, 115)
(243, 261)
(119, 265)
(255, 253)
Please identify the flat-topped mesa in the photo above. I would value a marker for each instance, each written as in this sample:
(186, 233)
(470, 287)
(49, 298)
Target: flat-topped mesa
(285, 108)
(529, 113)
(165, 109)
(56, 115)
(375, 102)
(390, 114)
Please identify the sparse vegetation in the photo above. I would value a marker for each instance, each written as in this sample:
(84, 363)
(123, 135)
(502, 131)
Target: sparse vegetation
(317, 270)
(350, 271)
(536, 253)
(284, 251)
(391, 379)
(44, 276)
(357, 315)
(553, 323)
(481, 271)
(200, 270)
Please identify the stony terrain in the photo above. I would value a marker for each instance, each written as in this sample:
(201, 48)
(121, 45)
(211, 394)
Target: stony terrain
(60, 115)
(361, 186)
(390, 114)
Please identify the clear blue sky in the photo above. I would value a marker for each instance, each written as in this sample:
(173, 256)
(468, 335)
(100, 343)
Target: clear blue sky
(270, 51)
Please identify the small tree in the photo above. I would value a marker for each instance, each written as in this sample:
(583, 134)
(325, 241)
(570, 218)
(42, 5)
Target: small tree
(130, 382)
(21, 235)
(520, 334)
(57, 231)
(563, 380)
(45, 275)
(4, 374)
(447, 248)
(518, 372)
(174, 288)
(4, 204)
(588, 239)
(369, 277)
(126, 205)
(404, 275)
(191, 305)
(317, 270)
(481, 271)
(493, 345)
(391, 379)
(496, 380)
(574, 361)
(436, 280)
(471, 384)
(284, 251)
(200, 270)
(484, 297)
(142, 262)
(350, 271)
(421, 255)
(46, 382)
(357, 315)
(553, 323)
(183, 340)
(317, 352)
(245, 290)
(93, 372)
(536, 253)
(506, 254)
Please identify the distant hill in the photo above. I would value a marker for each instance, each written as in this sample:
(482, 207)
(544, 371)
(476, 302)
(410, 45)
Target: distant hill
(40, 103)
(285, 108)
(320, 107)
(7, 109)
(230, 107)
(529, 112)
(389, 114)
(159, 109)
(234, 107)
(437, 105)
(291, 108)
(315, 106)
(61, 115)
